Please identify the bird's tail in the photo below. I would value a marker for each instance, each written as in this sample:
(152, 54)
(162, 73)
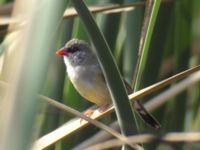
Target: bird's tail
(146, 116)
(143, 113)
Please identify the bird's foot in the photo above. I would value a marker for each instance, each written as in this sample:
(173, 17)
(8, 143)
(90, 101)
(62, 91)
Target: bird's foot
(89, 112)
(101, 108)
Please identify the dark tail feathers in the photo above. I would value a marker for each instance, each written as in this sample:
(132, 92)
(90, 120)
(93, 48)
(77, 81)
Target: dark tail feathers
(144, 114)
(147, 117)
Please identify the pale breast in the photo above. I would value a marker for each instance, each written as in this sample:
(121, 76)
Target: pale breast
(89, 83)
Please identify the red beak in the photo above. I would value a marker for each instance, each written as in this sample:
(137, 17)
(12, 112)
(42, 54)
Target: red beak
(62, 51)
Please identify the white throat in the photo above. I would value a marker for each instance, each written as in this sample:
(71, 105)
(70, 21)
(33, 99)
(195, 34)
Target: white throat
(70, 69)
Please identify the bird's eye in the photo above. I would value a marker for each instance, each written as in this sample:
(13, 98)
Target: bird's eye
(72, 49)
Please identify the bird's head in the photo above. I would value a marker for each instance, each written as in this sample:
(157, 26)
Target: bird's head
(72, 47)
(75, 52)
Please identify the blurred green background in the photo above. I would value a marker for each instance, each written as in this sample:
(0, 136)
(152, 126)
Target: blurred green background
(174, 47)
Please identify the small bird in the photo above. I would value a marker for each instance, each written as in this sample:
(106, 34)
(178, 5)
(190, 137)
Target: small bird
(85, 73)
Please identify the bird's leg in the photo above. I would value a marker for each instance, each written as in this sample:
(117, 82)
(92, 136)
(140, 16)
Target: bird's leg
(101, 108)
(104, 107)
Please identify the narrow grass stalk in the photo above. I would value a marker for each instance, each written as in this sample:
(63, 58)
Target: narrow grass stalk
(145, 50)
(113, 78)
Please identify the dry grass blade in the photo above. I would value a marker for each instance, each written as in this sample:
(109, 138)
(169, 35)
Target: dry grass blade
(98, 137)
(67, 129)
(161, 98)
(43, 143)
(146, 138)
(113, 8)
(7, 20)
(72, 126)
(163, 83)
(70, 12)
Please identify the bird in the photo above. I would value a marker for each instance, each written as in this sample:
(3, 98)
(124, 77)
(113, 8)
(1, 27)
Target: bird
(86, 75)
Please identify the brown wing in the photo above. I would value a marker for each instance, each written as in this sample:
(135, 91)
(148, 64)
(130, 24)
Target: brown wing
(143, 113)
